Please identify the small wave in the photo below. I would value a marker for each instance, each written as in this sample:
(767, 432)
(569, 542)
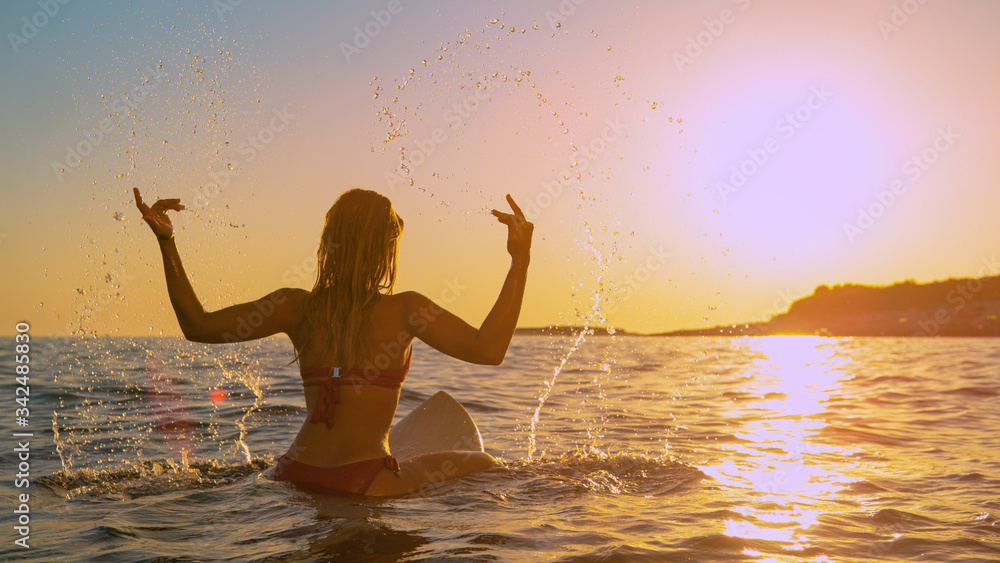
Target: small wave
(919, 547)
(899, 518)
(988, 524)
(854, 435)
(150, 477)
(99, 534)
(974, 391)
(967, 477)
(862, 488)
(887, 520)
(721, 544)
(595, 471)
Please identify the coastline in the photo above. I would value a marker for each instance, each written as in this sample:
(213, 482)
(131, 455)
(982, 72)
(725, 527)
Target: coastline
(962, 307)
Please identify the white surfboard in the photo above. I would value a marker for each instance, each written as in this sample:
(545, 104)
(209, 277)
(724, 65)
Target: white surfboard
(439, 424)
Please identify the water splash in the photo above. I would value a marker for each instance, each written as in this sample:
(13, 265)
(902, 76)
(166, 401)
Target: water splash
(168, 405)
(594, 315)
(549, 384)
(67, 463)
(423, 108)
(243, 377)
(149, 477)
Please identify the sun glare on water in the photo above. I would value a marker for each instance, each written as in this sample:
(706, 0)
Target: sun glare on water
(781, 469)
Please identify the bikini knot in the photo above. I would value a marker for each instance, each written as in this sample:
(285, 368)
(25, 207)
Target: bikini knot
(329, 396)
(392, 464)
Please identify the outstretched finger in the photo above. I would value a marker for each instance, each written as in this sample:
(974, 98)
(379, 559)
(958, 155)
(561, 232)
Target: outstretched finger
(505, 218)
(517, 210)
(138, 201)
(165, 204)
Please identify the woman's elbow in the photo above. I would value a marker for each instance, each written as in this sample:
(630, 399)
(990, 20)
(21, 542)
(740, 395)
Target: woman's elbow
(486, 351)
(483, 357)
(197, 336)
(494, 357)
(194, 337)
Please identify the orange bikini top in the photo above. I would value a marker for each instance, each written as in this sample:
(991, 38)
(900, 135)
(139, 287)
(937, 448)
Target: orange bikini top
(329, 380)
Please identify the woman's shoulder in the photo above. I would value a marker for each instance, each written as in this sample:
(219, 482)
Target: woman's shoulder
(403, 305)
(290, 295)
(407, 300)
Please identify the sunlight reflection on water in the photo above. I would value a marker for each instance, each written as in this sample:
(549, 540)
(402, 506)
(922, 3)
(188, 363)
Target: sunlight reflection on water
(789, 475)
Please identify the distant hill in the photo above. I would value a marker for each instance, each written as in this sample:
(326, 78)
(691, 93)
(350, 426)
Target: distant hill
(954, 307)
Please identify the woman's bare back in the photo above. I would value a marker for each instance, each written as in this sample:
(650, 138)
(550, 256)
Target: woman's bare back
(363, 413)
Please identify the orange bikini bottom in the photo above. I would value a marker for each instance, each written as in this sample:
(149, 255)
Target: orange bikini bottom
(353, 478)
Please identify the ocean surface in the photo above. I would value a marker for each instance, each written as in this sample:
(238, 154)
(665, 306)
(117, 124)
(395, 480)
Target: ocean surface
(618, 449)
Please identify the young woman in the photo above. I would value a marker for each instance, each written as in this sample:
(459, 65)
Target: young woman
(352, 336)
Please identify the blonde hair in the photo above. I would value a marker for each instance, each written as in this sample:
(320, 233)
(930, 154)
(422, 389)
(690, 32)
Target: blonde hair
(356, 261)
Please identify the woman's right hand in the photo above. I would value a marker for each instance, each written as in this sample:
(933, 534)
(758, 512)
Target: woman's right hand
(519, 231)
(156, 216)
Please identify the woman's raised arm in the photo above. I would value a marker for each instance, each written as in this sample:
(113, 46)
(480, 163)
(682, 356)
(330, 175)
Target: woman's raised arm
(488, 345)
(280, 311)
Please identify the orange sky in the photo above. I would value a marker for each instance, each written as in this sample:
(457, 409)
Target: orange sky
(685, 164)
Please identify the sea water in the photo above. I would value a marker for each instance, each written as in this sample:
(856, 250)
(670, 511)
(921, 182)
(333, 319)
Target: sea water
(645, 449)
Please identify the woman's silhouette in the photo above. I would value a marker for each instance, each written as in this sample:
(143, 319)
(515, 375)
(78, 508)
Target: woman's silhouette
(352, 320)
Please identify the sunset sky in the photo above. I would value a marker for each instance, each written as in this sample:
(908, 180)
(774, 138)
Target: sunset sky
(689, 163)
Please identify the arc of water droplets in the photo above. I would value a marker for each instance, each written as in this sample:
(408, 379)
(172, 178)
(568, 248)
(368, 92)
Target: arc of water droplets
(67, 466)
(548, 388)
(594, 314)
(253, 386)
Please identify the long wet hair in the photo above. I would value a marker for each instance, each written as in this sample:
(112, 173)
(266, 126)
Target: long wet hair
(355, 264)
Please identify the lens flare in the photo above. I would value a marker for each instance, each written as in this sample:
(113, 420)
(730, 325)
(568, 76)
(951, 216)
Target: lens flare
(218, 395)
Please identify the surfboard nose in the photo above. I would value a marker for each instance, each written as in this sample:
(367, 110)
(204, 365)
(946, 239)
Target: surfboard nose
(438, 424)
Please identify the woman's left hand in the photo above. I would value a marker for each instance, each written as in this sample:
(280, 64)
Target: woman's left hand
(156, 215)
